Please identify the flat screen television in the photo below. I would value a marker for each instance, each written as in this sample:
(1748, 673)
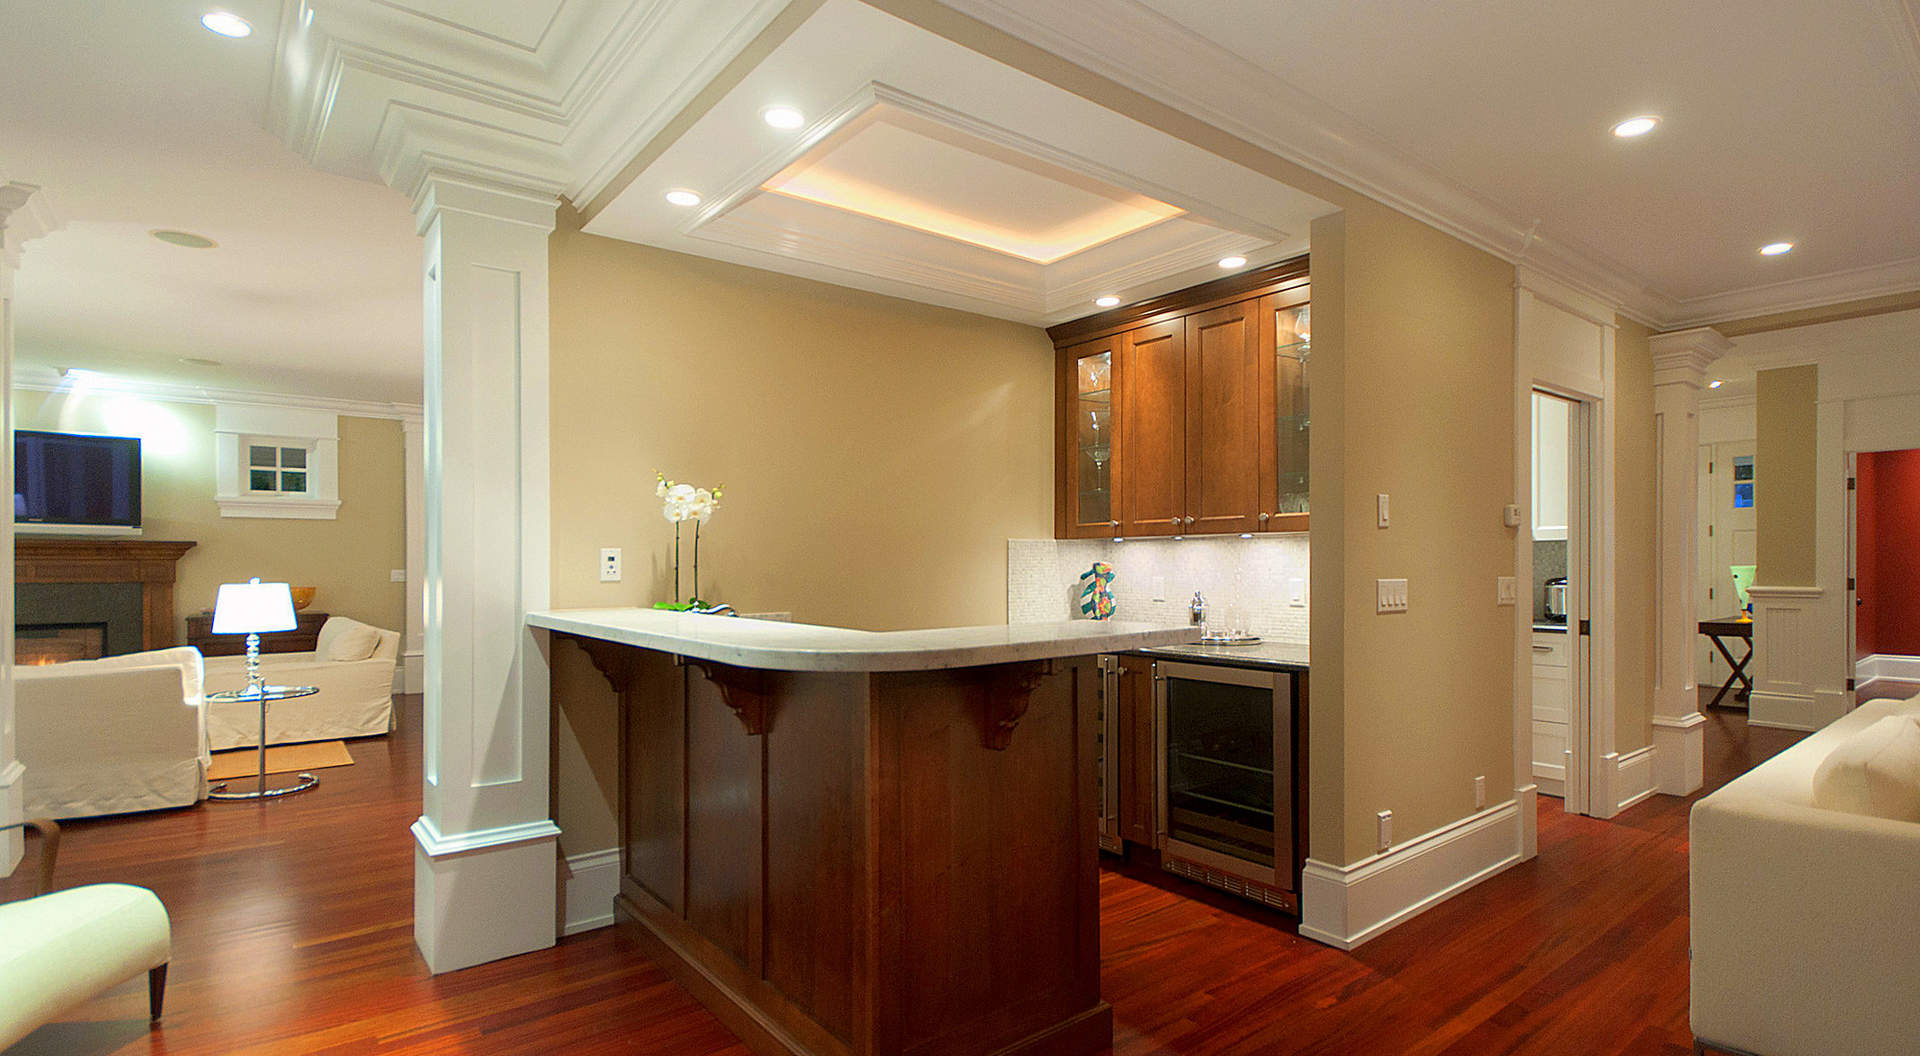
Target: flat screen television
(72, 479)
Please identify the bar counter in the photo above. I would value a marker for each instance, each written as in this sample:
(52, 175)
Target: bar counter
(855, 843)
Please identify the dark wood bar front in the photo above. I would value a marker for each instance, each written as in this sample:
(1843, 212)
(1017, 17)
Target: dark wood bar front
(890, 863)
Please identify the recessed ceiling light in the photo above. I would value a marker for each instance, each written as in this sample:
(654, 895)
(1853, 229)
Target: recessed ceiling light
(183, 239)
(683, 198)
(783, 117)
(1635, 126)
(1715, 383)
(1774, 249)
(227, 24)
(1233, 262)
(1106, 302)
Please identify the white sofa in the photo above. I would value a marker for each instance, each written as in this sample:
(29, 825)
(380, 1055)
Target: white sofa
(1802, 916)
(112, 736)
(355, 698)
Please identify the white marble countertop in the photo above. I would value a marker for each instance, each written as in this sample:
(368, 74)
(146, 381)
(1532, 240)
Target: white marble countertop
(779, 646)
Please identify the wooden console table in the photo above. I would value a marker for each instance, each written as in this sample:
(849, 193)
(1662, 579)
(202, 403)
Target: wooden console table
(1719, 630)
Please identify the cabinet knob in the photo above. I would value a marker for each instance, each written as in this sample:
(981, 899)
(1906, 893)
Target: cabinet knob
(1175, 521)
(1113, 524)
(1189, 520)
(1264, 516)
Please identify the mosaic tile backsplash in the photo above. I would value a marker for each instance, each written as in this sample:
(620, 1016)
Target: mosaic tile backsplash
(1258, 574)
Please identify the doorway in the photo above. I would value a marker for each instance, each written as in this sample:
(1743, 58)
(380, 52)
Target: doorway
(1726, 540)
(1561, 600)
(1883, 573)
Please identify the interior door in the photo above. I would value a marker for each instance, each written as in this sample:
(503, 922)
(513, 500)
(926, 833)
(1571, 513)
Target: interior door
(1223, 384)
(1858, 648)
(1153, 360)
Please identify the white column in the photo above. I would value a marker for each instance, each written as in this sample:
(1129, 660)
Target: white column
(484, 872)
(23, 215)
(1680, 362)
(413, 651)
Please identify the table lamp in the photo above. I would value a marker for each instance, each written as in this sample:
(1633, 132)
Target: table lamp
(253, 608)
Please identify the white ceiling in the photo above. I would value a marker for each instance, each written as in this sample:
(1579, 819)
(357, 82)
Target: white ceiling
(132, 117)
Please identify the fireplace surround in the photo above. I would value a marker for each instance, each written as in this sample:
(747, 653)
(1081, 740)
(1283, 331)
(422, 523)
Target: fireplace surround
(123, 585)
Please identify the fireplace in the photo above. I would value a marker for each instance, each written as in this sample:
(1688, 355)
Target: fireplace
(35, 644)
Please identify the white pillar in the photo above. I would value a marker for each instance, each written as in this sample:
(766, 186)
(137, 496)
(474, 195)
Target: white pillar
(484, 872)
(413, 650)
(23, 215)
(1680, 362)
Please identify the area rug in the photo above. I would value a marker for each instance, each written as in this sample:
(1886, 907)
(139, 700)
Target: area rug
(281, 759)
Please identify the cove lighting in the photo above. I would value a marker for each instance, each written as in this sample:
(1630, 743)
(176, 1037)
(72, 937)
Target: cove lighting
(1107, 301)
(683, 198)
(1774, 249)
(1233, 262)
(227, 24)
(1635, 126)
(785, 117)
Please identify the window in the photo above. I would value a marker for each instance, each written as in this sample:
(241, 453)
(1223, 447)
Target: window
(276, 470)
(1742, 482)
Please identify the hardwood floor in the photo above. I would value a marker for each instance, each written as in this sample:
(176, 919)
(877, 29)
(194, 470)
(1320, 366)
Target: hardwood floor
(293, 934)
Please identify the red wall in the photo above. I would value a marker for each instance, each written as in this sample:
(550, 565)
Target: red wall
(1887, 559)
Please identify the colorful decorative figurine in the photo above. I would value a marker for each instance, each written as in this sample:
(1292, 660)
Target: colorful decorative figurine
(1096, 597)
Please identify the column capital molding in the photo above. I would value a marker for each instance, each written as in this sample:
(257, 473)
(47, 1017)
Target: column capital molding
(25, 213)
(442, 191)
(1683, 356)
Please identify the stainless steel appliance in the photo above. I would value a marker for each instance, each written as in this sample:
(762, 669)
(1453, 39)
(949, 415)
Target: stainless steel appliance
(1107, 753)
(1228, 742)
(1556, 601)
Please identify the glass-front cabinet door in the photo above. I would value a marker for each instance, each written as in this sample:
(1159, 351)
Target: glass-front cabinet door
(1087, 429)
(1284, 484)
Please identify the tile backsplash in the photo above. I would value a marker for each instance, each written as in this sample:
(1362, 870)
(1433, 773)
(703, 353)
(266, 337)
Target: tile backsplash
(1258, 574)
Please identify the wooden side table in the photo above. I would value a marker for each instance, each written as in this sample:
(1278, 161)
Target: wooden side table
(265, 695)
(1717, 631)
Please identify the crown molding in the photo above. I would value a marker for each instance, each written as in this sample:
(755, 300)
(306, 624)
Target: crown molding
(26, 213)
(1815, 291)
(1682, 357)
(46, 379)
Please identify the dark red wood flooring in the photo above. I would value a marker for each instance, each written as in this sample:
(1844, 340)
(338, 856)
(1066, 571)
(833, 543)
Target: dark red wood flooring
(293, 934)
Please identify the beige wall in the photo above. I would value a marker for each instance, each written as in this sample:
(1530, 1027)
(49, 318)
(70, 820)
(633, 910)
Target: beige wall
(1636, 543)
(350, 559)
(1784, 457)
(877, 455)
(1413, 397)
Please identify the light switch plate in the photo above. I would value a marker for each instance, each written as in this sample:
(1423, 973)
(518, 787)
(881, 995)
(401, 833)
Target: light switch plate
(1506, 591)
(609, 564)
(1479, 792)
(1386, 829)
(1297, 593)
(397, 575)
(1383, 509)
(1393, 595)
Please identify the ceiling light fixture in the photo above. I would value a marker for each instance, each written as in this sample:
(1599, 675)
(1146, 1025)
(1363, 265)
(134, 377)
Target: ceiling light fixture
(1106, 302)
(1233, 262)
(1715, 383)
(1635, 126)
(783, 117)
(227, 24)
(183, 239)
(1774, 249)
(685, 199)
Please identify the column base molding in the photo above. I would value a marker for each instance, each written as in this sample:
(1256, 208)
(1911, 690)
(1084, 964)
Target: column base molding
(1527, 799)
(591, 882)
(1679, 753)
(1797, 711)
(490, 876)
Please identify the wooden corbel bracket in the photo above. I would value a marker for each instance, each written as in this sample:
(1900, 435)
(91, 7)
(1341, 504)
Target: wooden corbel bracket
(746, 690)
(1002, 693)
(614, 661)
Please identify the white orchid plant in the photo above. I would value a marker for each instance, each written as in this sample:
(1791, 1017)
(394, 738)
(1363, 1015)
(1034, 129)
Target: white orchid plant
(680, 503)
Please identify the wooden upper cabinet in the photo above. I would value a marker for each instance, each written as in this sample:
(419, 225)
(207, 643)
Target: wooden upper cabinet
(1088, 506)
(1154, 442)
(1285, 426)
(1224, 365)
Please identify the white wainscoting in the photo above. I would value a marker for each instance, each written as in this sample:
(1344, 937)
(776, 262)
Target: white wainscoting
(1882, 667)
(1344, 906)
(1623, 780)
(1785, 675)
(588, 884)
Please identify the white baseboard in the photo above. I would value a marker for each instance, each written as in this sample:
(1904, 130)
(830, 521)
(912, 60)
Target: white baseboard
(1679, 753)
(588, 884)
(1884, 667)
(1527, 800)
(1344, 906)
(1624, 781)
(412, 673)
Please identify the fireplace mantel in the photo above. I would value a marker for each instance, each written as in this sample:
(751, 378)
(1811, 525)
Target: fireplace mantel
(148, 562)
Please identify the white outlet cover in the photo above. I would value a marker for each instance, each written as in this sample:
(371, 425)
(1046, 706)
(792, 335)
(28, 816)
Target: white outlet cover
(609, 564)
(397, 575)
(1506, 591)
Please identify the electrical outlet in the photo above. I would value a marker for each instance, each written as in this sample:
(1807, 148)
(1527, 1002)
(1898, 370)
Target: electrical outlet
(1297, 593)
(1393, 595)
(609, 564)
(1383, 509)
(1479, 792)
(1506, 591)
(1386, 829)
(397, 575)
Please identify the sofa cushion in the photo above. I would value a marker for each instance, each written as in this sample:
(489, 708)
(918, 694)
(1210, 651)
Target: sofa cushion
(1875, 771)
(347, 640)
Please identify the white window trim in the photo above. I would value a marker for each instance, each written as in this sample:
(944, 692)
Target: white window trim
(236, 426)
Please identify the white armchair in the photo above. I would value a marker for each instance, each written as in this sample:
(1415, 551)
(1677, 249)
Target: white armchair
(59, 949)
(112, 736)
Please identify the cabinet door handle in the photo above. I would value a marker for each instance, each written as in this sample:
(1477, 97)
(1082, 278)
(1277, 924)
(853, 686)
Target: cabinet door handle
(1543, 648)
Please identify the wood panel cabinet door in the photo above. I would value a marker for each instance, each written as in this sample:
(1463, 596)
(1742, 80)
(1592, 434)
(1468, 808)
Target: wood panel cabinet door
(1153, 362)
(1138, 767)
(1088, 505)
(1224, 365)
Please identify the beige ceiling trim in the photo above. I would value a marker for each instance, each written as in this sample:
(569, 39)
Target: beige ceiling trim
(1831, 313)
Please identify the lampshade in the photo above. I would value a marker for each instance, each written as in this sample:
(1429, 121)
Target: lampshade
(253, 607)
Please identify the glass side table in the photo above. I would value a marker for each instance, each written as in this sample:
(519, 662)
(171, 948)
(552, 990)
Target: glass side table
(265, 695)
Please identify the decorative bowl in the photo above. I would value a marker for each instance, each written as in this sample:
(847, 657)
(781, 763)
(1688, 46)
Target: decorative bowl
(302, 597)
